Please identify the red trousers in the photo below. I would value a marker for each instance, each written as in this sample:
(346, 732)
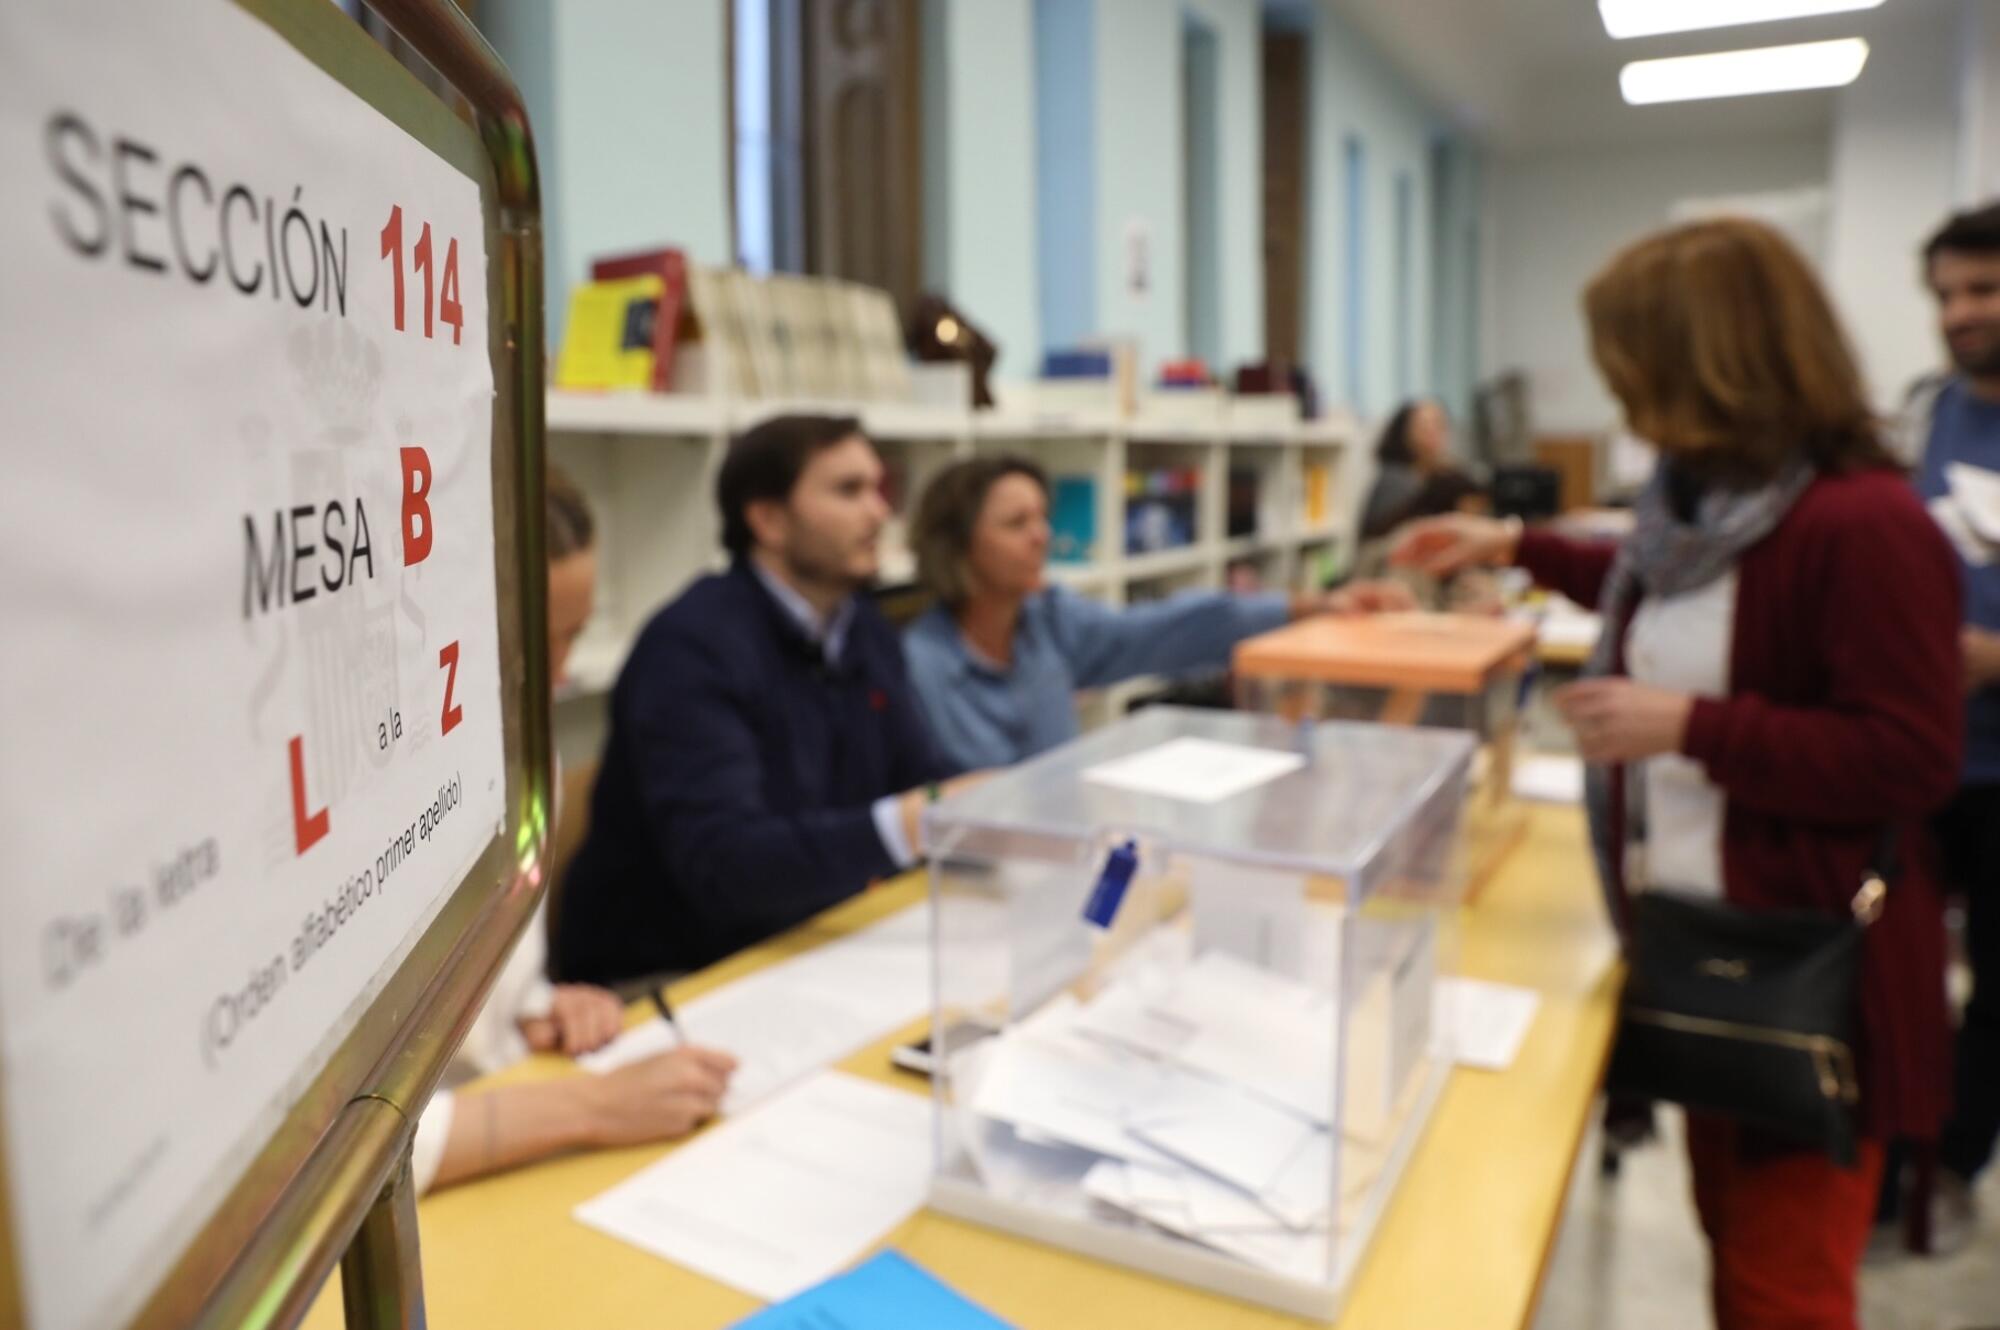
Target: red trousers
(1786, 1228)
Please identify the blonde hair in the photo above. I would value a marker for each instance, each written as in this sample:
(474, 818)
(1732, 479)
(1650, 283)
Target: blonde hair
(1722, 348)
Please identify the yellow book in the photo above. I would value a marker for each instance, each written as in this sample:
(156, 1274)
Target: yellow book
(1317, 476)
(608, 341)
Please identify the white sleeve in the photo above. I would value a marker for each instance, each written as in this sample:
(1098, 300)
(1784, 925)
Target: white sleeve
(427, 1148)
(888, 814)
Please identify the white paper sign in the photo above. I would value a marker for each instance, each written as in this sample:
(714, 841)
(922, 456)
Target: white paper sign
(251, 690)
(1197, 771)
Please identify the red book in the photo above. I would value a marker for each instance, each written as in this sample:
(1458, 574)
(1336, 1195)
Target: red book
(670, 265)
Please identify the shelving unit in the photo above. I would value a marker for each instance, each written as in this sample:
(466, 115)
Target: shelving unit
(647, 463)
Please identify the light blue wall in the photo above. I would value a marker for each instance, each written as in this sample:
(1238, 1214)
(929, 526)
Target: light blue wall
(980, 190)
(1138, 179)
(1239, 31)
(1357, 92)
(632, 126)
(1139, 174)
(1066, 163)
(1455, 275)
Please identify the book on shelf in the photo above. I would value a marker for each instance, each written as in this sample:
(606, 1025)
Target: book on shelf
(718, 331)
(1245, 509)
(732, 334)
(770, 363)
(882, 334)
(609, 338)
(1160, 508)
(1318, 496)
(1073, 519)
(670, 266)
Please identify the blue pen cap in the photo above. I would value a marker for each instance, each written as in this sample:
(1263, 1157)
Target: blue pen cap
(1112, 879)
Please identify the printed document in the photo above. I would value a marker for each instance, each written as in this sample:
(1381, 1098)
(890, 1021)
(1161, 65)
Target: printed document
(785, 1196)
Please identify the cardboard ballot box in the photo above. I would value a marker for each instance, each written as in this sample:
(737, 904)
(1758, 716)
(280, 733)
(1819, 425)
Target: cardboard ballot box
(1451, 671)
(1185, 970)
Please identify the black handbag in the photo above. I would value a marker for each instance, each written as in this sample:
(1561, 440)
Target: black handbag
(1748, 1014)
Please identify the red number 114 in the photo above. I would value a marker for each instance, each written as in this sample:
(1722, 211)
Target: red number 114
(447, 310)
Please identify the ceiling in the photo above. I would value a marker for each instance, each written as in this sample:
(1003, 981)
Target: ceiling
(1536, 74)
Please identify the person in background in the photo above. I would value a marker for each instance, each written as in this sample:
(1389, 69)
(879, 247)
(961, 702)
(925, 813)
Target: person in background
(766, 758)
(1955, 419)
(466, 1133)
(1777, 683)
(999, 658)
(1414, 474)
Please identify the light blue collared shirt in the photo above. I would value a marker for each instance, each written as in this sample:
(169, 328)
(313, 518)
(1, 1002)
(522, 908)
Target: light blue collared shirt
(830, 633)
(984, 715)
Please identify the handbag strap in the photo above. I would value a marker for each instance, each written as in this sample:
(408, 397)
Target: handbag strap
(1883, 864)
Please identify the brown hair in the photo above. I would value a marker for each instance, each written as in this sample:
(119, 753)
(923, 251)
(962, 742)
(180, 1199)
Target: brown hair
(570, 527)
(941, 531)
(765, 462)
(1719, 343)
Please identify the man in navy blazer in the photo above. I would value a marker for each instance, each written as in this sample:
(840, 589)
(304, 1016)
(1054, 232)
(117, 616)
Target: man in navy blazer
(767, 757)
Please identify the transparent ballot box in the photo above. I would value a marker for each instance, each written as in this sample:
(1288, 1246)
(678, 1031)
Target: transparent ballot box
(1455, 671)
(1186, 969)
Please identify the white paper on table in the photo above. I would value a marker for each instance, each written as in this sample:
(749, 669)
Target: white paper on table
(1487, 1021)
(1976, 491)
(789, 1019)
(1549, 780)
(784, 1197)
(1199, 771)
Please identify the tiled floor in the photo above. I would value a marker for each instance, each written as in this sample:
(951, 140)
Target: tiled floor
(1630, 1258)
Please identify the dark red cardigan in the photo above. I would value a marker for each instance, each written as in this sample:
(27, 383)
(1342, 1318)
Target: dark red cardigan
(1845, 712)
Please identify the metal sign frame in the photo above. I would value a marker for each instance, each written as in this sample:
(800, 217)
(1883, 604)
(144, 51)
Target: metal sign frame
(333, 1182)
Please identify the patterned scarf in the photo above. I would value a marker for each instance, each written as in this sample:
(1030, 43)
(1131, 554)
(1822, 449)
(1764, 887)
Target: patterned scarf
(1665, 556)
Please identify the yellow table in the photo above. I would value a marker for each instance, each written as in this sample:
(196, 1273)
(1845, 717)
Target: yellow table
(1464, 1242)
(1563, 655)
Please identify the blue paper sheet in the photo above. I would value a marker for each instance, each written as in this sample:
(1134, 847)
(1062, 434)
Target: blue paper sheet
(885, 1292)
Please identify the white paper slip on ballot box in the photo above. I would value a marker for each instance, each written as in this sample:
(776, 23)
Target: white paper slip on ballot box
(1216, 1041)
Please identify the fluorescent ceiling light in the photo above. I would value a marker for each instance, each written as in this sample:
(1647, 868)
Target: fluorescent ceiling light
(1650, 18)
(1740, 73)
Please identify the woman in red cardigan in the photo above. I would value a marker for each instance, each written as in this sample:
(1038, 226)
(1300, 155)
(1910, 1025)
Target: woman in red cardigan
(1779, 681)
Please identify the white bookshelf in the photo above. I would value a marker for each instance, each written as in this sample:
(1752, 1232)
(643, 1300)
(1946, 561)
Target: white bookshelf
(647, 463)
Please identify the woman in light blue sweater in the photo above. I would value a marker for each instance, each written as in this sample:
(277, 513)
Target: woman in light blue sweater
(998, 659)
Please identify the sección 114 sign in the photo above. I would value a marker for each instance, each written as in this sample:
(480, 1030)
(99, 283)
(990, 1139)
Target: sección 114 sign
(251, 691)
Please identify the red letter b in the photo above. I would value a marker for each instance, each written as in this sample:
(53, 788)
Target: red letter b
(417, 530)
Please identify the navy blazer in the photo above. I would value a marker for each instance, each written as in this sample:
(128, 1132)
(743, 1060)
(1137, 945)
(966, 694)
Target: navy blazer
(735, 794)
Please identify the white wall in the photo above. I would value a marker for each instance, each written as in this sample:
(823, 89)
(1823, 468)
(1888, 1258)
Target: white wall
(1556, 217)
(1895, 175)
(1979, 104)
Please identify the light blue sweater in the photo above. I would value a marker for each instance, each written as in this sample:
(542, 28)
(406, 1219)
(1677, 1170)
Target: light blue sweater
(984, 716)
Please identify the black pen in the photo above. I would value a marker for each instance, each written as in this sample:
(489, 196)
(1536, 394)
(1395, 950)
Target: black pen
(659, 996)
